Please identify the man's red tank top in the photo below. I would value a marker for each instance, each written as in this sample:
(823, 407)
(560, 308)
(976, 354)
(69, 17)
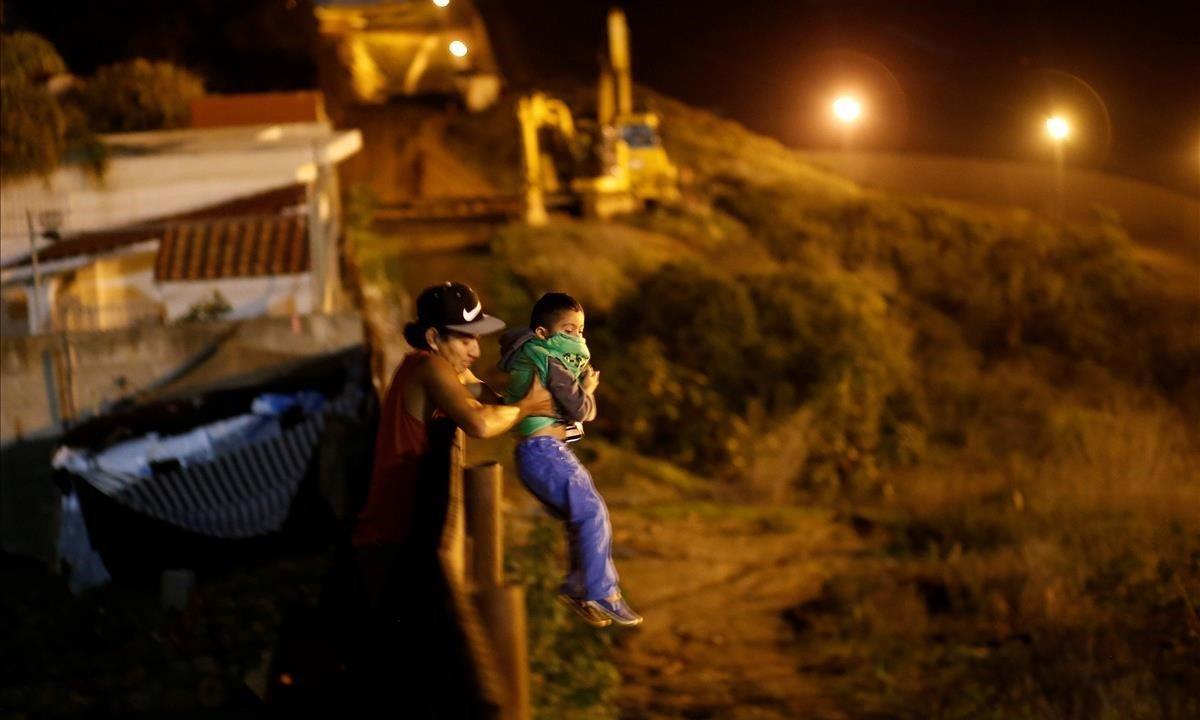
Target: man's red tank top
(401, 443)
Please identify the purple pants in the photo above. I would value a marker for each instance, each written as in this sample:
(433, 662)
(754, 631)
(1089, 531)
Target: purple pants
(554, 475)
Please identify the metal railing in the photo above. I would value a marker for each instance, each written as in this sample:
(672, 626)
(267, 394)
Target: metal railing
(491, 612)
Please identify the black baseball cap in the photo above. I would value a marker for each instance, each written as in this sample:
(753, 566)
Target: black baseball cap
(456, 307)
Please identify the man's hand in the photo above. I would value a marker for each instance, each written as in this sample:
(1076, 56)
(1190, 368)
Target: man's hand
(591, 381)
(537, 401)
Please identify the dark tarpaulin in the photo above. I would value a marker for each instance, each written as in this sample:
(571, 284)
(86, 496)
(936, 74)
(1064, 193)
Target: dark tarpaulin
(135, 545)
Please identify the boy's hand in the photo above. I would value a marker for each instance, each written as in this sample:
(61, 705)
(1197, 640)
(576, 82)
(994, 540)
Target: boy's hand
(591, 381)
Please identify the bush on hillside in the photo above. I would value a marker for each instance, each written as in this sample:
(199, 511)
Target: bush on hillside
(704, 321)
(1010, 281)
(702, 363)
(833, 344)
(664, 409)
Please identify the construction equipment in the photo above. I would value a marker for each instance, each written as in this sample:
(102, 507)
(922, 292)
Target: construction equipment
(617, 166)
(384, 49)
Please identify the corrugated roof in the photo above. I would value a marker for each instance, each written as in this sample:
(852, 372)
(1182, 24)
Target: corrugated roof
(233, 248)
(103, 241)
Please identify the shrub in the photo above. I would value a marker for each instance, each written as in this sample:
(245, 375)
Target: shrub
(139, 95)
(215, 308)
(664, 409)
(702, 364)
(34, 127)
(705, 322)
(27, 57)
(833, 344)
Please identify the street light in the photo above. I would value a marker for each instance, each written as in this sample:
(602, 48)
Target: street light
(1059, 129)
(458, 48)
(847, 109)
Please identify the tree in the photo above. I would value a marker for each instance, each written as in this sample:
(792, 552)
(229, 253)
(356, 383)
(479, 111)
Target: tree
(28, 57)
(139, 95)
(34, 126)
(49, 118)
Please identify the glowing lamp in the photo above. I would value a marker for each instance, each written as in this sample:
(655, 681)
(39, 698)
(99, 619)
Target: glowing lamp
(1058, 128)
(847, 109)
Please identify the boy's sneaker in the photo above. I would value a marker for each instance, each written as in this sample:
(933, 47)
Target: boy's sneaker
(581, 608)
(617, 611)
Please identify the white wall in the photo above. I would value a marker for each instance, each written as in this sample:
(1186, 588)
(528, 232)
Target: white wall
(249, 297)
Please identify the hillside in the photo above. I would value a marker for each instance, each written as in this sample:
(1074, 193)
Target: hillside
(955, 445)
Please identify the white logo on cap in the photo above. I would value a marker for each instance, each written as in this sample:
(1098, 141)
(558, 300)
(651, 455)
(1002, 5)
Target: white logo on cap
(470, 315)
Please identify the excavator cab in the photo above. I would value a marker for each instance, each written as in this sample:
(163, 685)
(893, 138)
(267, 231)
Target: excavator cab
(652, 177)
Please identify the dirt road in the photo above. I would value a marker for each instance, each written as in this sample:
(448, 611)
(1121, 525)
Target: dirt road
(713, 582)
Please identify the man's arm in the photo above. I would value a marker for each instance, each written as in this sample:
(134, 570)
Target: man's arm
(445, 390)
(480, 390)
(575, 398)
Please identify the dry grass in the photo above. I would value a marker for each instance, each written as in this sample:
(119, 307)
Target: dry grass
(1062, 587)
(596, 262)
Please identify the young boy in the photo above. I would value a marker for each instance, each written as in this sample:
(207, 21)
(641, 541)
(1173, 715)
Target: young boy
(552, 350)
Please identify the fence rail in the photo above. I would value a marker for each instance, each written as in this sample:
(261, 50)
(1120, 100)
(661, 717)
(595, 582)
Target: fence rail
(491, 611)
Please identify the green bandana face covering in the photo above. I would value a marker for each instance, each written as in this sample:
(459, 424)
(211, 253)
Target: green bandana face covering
(573, 350)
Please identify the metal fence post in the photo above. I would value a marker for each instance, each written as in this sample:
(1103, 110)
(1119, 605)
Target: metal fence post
(483, 491)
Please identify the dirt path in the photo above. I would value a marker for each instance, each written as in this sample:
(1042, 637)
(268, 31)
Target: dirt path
(713, 585)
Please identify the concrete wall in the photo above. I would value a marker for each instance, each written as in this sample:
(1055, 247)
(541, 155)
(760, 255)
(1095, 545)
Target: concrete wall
(45, 378)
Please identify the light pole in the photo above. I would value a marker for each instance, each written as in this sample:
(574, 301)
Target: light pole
(1059, 129)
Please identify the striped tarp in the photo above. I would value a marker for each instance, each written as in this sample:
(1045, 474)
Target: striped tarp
(240, 494)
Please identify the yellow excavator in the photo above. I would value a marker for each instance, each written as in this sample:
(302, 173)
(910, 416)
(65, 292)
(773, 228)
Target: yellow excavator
(616, 168)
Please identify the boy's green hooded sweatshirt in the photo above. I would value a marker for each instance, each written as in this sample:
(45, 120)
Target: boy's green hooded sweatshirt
(559, 361)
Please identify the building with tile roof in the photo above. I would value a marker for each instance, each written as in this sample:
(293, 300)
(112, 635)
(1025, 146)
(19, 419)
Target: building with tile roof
(243, 208)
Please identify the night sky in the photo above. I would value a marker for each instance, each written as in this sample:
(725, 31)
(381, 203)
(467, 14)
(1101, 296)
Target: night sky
(940, 77)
